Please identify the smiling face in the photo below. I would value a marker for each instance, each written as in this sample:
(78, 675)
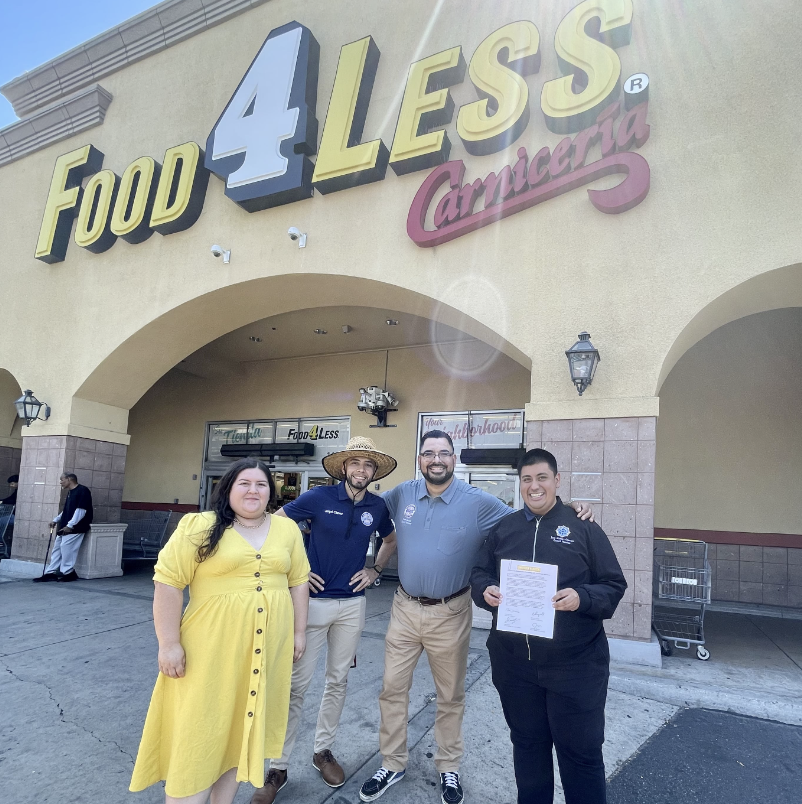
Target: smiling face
(539, 487)
(359, 472)
(249, 494)
(437, 461)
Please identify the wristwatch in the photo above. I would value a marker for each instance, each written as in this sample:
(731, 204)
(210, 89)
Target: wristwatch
(379, 570)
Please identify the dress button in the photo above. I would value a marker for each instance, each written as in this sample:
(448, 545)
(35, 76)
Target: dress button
(258, 650)
(258, 630)
(258, 588)
(256, 574)
(260, 610)
(250, 714)
(253, 692)
(255, 672)
(258, 555)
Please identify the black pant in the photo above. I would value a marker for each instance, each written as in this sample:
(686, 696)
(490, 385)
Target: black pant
(556, 701)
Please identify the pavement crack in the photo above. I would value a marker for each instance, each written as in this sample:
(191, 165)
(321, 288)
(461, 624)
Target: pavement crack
(62, 718)
(476, 669)
(73, 639)
(774, 642)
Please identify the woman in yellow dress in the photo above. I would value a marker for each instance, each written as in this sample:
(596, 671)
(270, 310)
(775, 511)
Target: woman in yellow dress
(220, 704)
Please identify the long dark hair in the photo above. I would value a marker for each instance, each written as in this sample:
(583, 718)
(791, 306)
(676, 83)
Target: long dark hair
(224, 513)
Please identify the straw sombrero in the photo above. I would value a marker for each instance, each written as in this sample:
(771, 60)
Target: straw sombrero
(359, 447)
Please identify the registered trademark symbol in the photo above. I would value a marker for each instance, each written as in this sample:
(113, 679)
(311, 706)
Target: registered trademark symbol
(636, 90)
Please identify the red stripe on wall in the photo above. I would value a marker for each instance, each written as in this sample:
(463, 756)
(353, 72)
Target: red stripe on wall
(732, 537)
(177, 508)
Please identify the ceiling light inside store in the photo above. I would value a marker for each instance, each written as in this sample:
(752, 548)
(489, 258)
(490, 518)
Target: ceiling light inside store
(321, 332)
(392, 322)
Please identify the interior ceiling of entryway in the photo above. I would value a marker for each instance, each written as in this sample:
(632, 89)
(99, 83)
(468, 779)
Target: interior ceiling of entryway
(293, 334)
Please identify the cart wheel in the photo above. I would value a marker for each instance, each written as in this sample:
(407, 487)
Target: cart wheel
(377, 582)
(666, 648)
(702, 653)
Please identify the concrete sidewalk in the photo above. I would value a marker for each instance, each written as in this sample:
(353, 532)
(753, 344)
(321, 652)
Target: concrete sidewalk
(78, 662)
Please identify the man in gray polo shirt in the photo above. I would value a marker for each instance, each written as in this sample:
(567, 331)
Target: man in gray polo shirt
(440, 524)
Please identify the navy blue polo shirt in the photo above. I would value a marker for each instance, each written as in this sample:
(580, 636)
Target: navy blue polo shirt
(340, 535)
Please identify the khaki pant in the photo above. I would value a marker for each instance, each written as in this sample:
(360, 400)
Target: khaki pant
(336, 625)
(443, 631)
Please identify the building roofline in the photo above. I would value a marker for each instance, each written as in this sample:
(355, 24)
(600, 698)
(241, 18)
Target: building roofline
(156, 29)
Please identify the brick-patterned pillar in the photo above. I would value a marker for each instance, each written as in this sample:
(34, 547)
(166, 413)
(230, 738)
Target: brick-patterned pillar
(610, 464)
(99, 465)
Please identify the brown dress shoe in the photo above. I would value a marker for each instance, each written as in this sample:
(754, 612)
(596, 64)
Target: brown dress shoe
(274, 781)
(331, 771)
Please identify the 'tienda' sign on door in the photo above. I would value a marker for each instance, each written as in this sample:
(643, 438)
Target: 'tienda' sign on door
(261, 144)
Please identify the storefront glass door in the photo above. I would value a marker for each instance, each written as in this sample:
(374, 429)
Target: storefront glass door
(290, 482)
(503, 485)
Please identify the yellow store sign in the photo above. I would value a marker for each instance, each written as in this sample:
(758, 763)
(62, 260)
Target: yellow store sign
(261, 145)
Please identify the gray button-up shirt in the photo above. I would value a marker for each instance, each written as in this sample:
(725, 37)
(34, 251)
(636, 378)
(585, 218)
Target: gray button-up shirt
(438, 537)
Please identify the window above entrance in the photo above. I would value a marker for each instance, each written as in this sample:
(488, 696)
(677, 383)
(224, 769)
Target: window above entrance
(327, 435)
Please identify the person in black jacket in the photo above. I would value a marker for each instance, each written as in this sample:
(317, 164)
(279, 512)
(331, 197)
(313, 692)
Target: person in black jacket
(71, 525)
(553, 691)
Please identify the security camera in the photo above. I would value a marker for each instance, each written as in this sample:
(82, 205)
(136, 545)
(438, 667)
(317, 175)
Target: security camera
(297, 234)
(219, 251)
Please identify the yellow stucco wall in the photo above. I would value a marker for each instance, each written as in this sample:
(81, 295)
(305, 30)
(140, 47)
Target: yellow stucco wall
(729, 437)
(167, 426)
(723, 207)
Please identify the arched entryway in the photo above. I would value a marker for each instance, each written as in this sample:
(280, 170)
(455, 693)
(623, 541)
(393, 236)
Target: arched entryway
(729, 440)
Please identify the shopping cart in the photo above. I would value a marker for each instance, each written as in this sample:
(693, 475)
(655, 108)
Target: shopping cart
(681, 592)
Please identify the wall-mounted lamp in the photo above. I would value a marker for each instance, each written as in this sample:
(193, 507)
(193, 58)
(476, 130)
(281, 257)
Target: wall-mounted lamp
(28, 408)
(219, 251)
(583, 357)
(297, 234)
(377, 402)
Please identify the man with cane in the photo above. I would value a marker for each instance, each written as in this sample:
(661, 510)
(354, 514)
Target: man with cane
(70, 526)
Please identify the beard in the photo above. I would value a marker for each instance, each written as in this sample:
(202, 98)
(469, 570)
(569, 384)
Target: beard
(438, 480)
(358, 484)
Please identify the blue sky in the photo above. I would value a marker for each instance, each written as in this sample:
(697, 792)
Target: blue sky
(39, 30)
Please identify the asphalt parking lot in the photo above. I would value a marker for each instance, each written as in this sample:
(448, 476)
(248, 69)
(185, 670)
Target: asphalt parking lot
(717, 757)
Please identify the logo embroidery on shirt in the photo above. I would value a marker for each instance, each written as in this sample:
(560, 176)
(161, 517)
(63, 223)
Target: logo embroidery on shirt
(367, 519)
(563, 532)
(408, 512)
(332, 511)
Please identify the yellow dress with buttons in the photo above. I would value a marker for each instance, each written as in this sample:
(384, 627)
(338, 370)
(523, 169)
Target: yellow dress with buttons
(230, 708)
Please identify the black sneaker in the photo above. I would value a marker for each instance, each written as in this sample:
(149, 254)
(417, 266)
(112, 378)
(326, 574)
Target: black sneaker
(48, 576)
(72, 575)
(378, 783)
(450, 789)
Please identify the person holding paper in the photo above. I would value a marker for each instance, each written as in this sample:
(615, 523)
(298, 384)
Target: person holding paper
(552, 690)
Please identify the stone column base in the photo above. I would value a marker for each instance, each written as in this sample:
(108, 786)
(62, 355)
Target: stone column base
(101, 551)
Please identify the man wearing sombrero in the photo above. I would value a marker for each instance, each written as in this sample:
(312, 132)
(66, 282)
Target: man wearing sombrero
(343, 518)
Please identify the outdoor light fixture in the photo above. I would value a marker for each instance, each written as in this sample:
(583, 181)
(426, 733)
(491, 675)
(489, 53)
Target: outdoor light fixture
(583, 357)
(378, 403)
(320, 331)
(28, 408)
(392, 322)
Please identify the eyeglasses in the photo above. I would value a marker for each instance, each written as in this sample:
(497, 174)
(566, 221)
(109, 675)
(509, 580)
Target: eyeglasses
(430, 456)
